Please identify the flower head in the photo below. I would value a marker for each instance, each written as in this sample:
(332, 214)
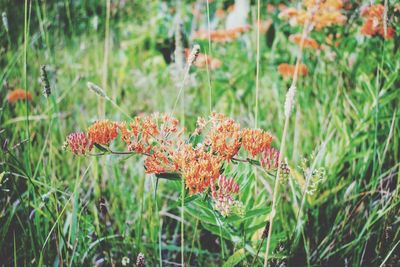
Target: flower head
(374, 23)
(287, 70)
(198, 167)
(222, 36)
(255, 141)
(103, 132)
(224, 136)
(308, 42)
(18, 94)
(79, 143)
(320, 14)
(223, 195)
(270, 158)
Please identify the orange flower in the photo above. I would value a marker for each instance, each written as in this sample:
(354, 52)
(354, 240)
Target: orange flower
(18, 94)
(308, 42)
(159, 162)
(220, 13)
(203, 60)
(103, 132)
(224, 136)
(198, 168)
(374, 24)
(149, 131)
(255, 141)
(79, 143)
(221, 36)
(287, 70)
(326, 14)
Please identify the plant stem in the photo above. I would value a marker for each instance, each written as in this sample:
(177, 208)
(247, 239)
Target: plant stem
(257, 64)
(285, 129)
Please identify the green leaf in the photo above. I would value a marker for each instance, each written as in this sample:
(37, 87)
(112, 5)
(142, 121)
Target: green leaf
(235, 258)
(169, 176)
(101, 148)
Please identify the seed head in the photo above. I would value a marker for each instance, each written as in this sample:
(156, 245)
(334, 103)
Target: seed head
(97, 89)
(193, 54)
(289, 101)
(45, 81)
(5, 21)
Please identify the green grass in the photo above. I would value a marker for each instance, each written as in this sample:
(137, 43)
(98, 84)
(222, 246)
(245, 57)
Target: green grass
(346, 115)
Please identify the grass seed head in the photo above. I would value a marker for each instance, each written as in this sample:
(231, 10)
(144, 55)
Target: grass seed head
(5, 21)
(97, 89)
(45, 81)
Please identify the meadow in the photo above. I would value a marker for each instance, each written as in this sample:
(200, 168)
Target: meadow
(199, 133)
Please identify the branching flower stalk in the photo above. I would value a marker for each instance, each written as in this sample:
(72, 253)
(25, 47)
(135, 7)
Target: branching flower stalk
(289, 102)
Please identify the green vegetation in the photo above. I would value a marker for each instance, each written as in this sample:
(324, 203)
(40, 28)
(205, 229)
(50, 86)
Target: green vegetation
(339, 206)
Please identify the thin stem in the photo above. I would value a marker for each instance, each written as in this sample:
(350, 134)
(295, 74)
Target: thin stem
(275, 195)
(257, 65)
(182, 222)
(101, 107)
(285, 129)
(209, 54)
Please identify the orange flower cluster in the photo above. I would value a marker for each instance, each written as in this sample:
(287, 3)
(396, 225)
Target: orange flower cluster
(18, 94)
(221, 36)
(224, 136)
(255, 141)
(203, 60)
(198, 167)
(159, 137)
(79, 143)
(374, 24)
(103, 132)
(308, 42)
(287, 70)
(324, 14)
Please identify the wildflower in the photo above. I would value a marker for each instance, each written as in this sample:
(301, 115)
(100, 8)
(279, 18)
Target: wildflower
(103, 132)
(224, 136)
(270, 158)
(79, 143)
(45, 81)
(320, 14)
(255, 141)
(222, 36)
(125, 133)
(18, 94)
(140, 260)
(287, 70)
(159, 162)
(223, 196)
(308, 42)
(201, 123)
(198, 167)
(374, 23)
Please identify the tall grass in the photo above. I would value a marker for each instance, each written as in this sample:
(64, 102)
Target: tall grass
(346, 114)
